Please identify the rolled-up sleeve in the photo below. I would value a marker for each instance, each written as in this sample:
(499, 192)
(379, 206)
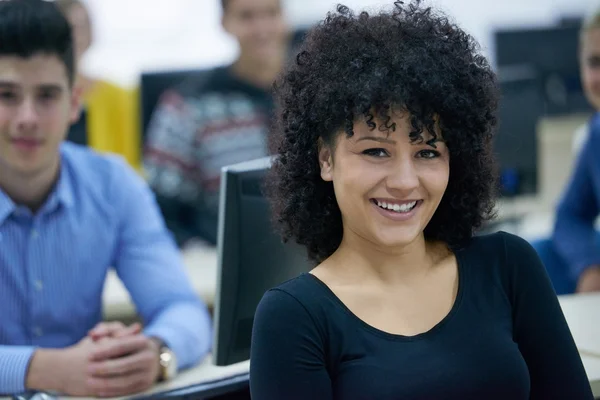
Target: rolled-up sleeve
(151, 268)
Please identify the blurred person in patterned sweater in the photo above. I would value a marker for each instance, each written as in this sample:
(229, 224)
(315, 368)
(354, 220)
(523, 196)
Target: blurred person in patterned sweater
(220, 119)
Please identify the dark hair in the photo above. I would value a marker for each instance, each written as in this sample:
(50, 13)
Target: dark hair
(224, 4)
(359, 66)
(30, 27)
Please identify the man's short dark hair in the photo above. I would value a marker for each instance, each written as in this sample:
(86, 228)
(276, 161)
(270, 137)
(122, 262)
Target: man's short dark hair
(30, 27)
(224, 4)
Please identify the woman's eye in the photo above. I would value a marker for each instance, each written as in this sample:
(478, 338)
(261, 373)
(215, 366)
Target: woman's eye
(376, 152)
(428, 154)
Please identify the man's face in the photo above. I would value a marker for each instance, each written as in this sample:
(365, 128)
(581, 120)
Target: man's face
(37, 106)
(258, 25)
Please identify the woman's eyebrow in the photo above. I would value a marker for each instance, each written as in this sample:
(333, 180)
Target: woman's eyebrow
(377, 139)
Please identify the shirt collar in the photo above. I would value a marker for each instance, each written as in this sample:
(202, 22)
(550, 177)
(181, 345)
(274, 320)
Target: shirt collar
(61, 195)
(64, 186)
(7, 206)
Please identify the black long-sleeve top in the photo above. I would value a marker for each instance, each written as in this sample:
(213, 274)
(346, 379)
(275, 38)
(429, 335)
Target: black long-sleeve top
(504, 338)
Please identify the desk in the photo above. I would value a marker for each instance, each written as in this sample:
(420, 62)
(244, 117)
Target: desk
(201, 265)
(582, 312)
(204, 372)
(592, 367)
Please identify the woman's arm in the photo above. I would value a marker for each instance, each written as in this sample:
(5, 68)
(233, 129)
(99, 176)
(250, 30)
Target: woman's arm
(287, 355)
(540, 328)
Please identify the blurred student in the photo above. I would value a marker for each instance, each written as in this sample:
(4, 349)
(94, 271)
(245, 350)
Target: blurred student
(572, 256)
(221, 120)
(67, 214)
(110, 117)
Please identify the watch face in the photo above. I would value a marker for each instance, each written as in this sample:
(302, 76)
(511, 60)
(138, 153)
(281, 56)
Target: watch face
(168, 363)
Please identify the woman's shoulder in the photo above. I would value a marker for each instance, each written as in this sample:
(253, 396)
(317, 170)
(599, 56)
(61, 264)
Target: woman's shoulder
(497, 241)
(295, 303)
(300, 292)
(500, 255)
(500, 245)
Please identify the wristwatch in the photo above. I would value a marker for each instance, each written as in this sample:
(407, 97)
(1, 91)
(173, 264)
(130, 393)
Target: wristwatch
(168, 364)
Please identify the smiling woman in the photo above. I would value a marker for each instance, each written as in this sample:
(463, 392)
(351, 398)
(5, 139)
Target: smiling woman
(436, 76)
(384, 172)
(383, 169)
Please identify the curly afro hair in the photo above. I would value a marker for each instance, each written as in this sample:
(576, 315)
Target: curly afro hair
(353, 67)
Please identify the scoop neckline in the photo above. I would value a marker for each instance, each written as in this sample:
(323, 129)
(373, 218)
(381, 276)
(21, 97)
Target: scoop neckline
(462, 281)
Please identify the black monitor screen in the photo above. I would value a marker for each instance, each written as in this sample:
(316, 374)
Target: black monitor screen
(553, 53)
(515, 143)
(552, 48)
(251, 257)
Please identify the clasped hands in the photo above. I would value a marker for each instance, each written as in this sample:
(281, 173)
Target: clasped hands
(113, 360)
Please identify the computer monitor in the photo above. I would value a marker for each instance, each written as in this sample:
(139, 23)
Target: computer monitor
(251, 258)
(553, 53)
(549, 47)
(515, 142)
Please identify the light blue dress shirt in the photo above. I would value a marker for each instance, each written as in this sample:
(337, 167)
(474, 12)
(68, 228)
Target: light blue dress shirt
(53, 265)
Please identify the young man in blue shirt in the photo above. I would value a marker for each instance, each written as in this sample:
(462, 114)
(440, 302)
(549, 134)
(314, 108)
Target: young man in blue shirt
(67, 214)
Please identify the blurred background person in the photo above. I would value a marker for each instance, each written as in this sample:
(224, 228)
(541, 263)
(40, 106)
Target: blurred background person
(572, 255)
(109, 121)
(217, 120)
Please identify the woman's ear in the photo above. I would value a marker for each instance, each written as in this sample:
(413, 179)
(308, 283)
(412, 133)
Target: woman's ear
(325, 161)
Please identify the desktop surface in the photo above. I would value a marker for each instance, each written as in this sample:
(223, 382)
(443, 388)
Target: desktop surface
(235, 387)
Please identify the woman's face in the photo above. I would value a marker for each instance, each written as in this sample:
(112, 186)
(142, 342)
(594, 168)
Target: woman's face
(590, 65)
(387, 188)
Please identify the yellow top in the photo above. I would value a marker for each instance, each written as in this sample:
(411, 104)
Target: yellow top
(112, 121)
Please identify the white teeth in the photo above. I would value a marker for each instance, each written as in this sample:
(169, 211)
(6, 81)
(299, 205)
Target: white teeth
(397, 207)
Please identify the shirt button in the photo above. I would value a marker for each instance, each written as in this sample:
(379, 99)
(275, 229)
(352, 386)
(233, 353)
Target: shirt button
(38, 331)
(39, 285)
(34, 234)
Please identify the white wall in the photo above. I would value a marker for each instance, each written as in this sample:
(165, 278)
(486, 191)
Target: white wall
(138, 35)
